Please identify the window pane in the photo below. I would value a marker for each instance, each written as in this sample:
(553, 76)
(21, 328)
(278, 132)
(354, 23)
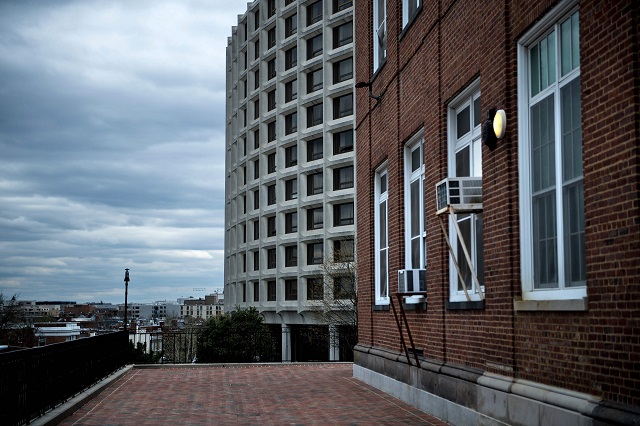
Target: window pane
(463, 122)
(542, 145)
(415, 208)
(416, 159)
(463, 162)
(545, 241)
(476, 112)
(383, 224)
(384, 290)
(571, 131)
(464, 222)
(574, 249)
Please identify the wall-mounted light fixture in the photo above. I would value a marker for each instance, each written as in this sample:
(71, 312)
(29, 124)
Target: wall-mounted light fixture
(366, 84)
(494, 127)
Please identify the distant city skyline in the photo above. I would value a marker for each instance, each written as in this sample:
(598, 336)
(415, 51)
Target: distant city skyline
(112, 142)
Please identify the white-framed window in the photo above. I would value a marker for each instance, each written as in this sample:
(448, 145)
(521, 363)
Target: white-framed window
(415, 256)
(551, 183)
(381, 236)
(379, 33)
(465, 160)
(409, 9)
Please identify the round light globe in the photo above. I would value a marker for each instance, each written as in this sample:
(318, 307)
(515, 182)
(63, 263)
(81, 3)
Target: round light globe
(500, 123)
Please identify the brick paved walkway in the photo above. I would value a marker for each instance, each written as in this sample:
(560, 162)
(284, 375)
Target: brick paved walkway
(287, 394)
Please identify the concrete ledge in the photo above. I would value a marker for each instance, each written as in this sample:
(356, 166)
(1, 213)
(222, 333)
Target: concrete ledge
(61, 412)
(571, 305)
(461, 395)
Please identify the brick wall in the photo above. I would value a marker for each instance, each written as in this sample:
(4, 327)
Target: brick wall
(450, 45)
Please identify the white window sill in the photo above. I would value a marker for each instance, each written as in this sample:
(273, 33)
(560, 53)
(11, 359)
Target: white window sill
(551, 305)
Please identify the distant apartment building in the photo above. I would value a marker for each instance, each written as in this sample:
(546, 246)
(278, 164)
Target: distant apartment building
(203, 309)
(289, 161)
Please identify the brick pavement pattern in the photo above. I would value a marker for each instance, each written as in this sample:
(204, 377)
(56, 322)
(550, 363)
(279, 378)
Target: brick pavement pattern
(287, 394)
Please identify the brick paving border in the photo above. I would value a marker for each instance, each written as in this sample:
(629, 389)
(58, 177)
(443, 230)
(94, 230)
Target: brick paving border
(272, 394)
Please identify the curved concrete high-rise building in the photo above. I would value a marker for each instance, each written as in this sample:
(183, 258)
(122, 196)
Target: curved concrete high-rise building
(289, 164)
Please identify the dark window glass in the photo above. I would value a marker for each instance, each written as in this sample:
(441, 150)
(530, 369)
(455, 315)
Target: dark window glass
(291, 91)
(256, 19)
(256, 79)
(339, 5)
(271, 100)
(314, 183)
(256, 199)
(343, 214)
(291, 222)
(256, 261)
(314, 46)
(256, 139)
(271, 226)
(256, 109)
(271, 8)
(315, 253)
(343, 106)
(291, 189)
(314, 12)
(271, 290)
(271, 131)
(291, 123)
(315, 289)
(314, 80)
(271, 68)
(271, 163)
(271, 38)
(291, 58)
(314, 149)
(343, 178)
(342, 142)
(256, 50)
(290, 25)
(343, 287)
(291, 256)
(314, 115)
(343, 34)
(291, 156)
(314, 218)
(343, 70)
(256, 229)
(271, 258)
(271, 194)
(256, 291)
(291, 289)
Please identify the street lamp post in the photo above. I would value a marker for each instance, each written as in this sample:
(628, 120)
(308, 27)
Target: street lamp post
(126, 293)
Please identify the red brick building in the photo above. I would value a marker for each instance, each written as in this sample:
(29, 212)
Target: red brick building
(542, 324)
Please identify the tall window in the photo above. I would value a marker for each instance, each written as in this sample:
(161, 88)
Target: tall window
(271, 100)
(342, 178)
(343, 106)
(291, 189)
(342, 142)
(291, 156)
(414, 201)
(271, 163)
(291, 123)
(271, 38)
(379, 33)
(342, 70)
(271, 290)
(314, 80)
(314, 149)
(291, 222)
(271, 258)
(271, 194)
(314, 12)
(291, 91)
(550, 154)
(314, 46)
(315, 289)
(409, 10)
(271, 226)
(465, 160)
(291, 256)
(315, 253)
(291, 289)
(291, 25)
(291, 58)
(343, 214)
(314, 183)
(381, 237)
(314, 218)
(271, 68)
(342, 35)
(314, 115)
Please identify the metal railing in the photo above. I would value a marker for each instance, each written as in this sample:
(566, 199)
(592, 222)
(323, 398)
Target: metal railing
(34, 381)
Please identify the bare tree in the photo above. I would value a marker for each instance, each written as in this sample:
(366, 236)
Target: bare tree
(336, 288)
(15, 330)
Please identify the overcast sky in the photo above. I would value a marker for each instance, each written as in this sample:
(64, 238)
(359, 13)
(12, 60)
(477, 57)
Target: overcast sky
(112, 147)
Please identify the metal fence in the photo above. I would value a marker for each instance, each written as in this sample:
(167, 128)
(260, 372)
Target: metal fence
(33, 381)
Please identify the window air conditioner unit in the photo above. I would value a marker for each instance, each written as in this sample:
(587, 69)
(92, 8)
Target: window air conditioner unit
(463, 194)
(412, 281)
